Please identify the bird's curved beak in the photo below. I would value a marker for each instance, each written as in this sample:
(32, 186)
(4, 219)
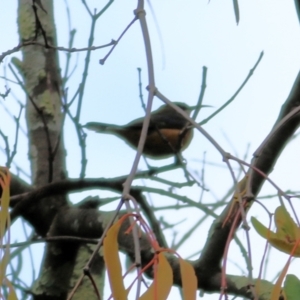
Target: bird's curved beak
(191, 108)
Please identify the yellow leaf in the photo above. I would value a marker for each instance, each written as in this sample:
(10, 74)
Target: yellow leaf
(287, 236)
(262, 230)
(162, 283)
(4, 263)
(5, 198)
(11, 292)
(285, 247)
(286, 227)
(189, 280)
(4, 218)
(112, 261)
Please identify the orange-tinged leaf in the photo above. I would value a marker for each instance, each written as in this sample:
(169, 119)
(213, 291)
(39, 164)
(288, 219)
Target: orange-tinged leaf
(4, 263)
(162, 283)
(11, 292)
(189, 280)
(5, 198)
(12, 295)
(285, 247)
(4, 219)
(112, 261)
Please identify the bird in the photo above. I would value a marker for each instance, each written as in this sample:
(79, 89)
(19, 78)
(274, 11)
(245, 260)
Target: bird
(168, 133)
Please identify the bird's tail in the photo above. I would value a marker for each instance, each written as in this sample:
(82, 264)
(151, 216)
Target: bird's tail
(102, 127)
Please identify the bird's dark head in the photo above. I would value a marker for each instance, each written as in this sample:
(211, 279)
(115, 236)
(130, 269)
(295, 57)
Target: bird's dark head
(183, 106)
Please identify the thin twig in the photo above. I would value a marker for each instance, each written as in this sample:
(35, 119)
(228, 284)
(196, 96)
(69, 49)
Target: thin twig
(236, 93)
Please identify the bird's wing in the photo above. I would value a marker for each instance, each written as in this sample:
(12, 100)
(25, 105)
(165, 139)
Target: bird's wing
(168, 121)
(161, 121)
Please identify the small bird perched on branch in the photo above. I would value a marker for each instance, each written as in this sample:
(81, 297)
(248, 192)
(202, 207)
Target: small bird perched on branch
(168, 132)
